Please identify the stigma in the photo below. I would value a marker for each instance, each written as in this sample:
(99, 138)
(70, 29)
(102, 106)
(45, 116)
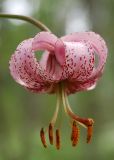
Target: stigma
(54, 134)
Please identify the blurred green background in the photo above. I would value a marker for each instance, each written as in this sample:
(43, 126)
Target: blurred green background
(22, 113)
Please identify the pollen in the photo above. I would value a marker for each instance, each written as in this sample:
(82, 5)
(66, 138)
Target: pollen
(50, 131)
(42, 136)
(74, 134)
(57, 138)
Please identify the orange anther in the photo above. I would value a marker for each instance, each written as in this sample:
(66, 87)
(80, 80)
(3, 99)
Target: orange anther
(57, 138)
(89, 133)
(74, 134)
(50, 132)
(42, 136)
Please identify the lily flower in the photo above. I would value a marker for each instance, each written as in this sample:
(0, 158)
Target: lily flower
(68, 65)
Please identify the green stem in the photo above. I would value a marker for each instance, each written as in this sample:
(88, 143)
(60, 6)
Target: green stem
(26, 18)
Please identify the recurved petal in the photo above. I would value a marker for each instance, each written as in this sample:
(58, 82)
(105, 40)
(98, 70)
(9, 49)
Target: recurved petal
(51, 65)
(48, 41)
(92, 86)
(60, 52)
(25, 69)
(79, 61)
(53, 57)
(44, 59)
(73, 87)
(32, 74)
(97, 43)
(44, 41)
(18, 59)
(41, 88)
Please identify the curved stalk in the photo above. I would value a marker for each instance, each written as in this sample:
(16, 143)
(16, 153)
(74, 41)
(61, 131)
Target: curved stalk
(57, 108)
(33, 21)
(82, 121)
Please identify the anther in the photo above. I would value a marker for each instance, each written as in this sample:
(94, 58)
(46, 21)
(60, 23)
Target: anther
(50, 132)
(89, 133)
(42, 136)
(74, 134)
(57, 138)
(85, 121)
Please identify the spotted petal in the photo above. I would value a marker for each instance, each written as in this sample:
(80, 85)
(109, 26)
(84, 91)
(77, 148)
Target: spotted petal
(77, 86)
(60, 52)
(25, 69)
(98, 45)
(48, 41)
(70, 59)
(44, 41)
(79, 61)
(36, 75)
(52, 67)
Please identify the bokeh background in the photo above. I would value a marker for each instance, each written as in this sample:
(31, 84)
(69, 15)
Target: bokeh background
(22, 113)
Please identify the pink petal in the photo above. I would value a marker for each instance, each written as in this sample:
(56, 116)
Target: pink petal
(48, 41)
(91, 87)
(73, 87)
(42, 88)
(17, 59)
(25, 69)
(55, 54)
(52, 67)
(44, 41)
(97, 43)
(60, 52)
(34, 75)
(79, 61)
(44, 59)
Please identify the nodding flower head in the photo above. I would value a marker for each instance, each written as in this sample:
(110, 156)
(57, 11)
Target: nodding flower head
(68, 64)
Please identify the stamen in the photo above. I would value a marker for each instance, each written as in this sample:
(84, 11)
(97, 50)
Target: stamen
(50, 132)
(51, 125)
(42, 136)
(75, 134)
(84, 121)
(89, 133)
(57, 138)
(54, 118)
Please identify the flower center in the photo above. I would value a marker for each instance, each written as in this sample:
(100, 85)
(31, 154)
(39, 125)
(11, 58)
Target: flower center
(75, 122)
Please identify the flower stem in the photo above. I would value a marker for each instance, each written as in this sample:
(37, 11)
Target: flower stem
(31, 20)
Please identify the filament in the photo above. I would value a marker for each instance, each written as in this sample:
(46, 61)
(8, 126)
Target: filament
(54, 118)
(82, 121)
(74, 119)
